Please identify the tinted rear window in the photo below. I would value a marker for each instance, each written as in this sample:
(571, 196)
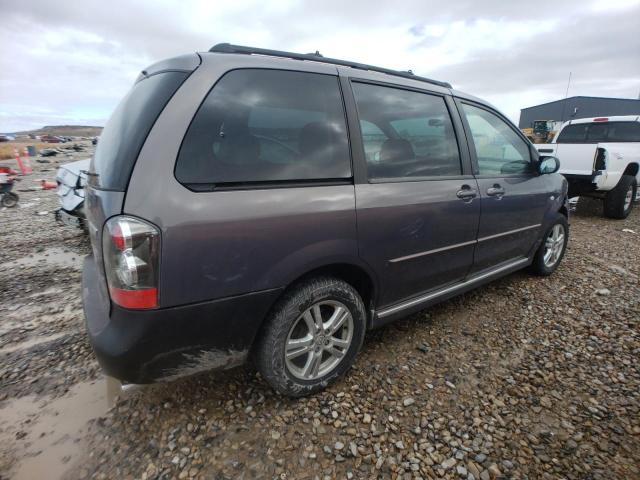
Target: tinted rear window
(267, 126)
(623, 132)
(573, 134)
(128, 127)
(599, 132)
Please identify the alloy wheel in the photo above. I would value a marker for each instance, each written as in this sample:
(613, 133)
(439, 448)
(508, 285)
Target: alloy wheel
(318, 340)
(554, 244)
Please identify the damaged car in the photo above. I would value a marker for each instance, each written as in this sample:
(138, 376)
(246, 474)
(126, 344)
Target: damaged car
(255, 205)
(72, 179)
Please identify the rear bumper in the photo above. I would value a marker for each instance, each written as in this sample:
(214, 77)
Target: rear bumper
(144, 346)
(582, 184)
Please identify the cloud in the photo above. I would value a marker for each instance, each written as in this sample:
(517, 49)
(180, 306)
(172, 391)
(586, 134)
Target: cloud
(70, 62)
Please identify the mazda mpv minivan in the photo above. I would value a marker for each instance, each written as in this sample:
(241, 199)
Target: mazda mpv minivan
(246, 203)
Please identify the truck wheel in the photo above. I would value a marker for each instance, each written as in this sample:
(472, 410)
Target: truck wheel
(619, 202)
(554, 244)
(311, 337)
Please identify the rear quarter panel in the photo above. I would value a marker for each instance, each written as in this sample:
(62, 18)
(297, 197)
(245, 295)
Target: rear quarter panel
(619, 157)
(219, 244)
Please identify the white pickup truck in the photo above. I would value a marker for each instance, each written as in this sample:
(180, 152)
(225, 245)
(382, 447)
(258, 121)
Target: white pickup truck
(600, 157)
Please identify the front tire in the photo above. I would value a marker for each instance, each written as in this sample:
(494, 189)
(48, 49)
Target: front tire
(311, 337)
(552, 250)
(619, 202)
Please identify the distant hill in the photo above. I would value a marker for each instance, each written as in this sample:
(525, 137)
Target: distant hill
(65, 130)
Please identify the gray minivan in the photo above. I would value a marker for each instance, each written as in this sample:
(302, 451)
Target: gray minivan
(250, 203)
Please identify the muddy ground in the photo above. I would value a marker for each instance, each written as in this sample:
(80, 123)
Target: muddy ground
(524, 378)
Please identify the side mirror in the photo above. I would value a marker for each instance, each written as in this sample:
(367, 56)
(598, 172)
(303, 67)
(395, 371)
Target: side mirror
(548, 165)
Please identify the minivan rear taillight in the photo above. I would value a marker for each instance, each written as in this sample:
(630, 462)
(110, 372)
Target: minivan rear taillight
(131, 251)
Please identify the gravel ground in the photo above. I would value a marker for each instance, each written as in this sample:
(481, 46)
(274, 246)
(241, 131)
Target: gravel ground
(524, 378)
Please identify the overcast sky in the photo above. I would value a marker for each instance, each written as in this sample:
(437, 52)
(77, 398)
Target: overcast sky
(70, 62)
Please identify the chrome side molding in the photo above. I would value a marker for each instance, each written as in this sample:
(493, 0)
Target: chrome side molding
(463, 244)
(452, 288)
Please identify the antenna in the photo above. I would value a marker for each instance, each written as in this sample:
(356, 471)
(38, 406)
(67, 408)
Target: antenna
(566, 94)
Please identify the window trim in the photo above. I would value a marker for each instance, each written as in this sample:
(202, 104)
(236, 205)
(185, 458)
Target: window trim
(588, 125)
(267, 184)
(472, 146)
(465, 172)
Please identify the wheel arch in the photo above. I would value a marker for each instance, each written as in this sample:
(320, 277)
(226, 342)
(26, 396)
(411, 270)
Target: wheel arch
(564, 211)
(631, 169)
(355, 274)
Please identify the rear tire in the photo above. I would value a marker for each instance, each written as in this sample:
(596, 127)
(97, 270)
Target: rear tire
(553, 248)
(297, 354)
(619, 202)
(10, 199)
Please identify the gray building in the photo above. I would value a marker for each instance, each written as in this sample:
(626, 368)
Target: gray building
(578, 107)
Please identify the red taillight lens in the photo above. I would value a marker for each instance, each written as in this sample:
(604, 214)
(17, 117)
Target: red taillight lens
(131, 251)
(145, 298)
(601, 119)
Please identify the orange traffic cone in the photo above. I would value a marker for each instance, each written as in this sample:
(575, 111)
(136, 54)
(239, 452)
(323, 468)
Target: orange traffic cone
(21, 166)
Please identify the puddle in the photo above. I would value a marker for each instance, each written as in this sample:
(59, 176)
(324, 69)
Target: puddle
(34, 341)
(55, 256)
(45, 439)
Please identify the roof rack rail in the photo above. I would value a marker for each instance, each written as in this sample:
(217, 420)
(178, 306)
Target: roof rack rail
(317, 57)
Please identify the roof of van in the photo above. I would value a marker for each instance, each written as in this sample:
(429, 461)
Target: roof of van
(317, 57)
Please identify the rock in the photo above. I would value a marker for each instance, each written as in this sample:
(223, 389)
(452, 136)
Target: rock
(353, 448)
(408, 401)
(480, 458)
(471, 467)
(494, 471)
(366, 418)
(338, 446)
(603, 291)
(449, 463)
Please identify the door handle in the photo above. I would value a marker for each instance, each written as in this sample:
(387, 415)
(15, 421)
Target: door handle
(466, 193)
(495, 191)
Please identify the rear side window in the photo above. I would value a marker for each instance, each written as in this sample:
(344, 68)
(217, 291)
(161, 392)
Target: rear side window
(599, 132)
(405, 134)
(573, 134)
(623, 132)
(128, 127)
(267, 126)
